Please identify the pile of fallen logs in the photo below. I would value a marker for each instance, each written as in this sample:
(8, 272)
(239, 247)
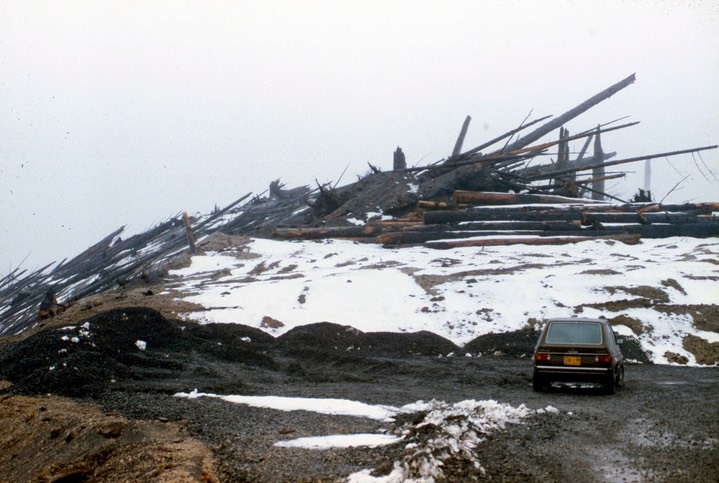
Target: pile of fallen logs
(485, 218)
(469, 198)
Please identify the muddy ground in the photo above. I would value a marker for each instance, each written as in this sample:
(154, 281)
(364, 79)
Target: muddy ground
(86, 403)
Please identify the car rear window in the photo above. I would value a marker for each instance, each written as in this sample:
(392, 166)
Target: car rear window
(574, 333)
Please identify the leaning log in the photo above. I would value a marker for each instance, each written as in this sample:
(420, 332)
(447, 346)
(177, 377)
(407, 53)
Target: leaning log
(629, 239)
(460, 139)
(552, 174)
(569, 115)
(506, 135)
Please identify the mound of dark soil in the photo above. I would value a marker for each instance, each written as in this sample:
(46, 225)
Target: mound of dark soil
(519, 343)
(119, 345)
(402, 344)
(325, 337)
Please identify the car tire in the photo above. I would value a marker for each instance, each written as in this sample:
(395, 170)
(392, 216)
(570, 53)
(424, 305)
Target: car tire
(538, 383)
(610, 384)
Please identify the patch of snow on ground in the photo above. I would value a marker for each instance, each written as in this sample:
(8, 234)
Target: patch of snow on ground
(339, 407)
(368, 440)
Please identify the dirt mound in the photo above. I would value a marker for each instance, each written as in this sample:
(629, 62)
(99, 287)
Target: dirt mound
(57, 439)
(325, 337)
(119, 345)
(519, 343)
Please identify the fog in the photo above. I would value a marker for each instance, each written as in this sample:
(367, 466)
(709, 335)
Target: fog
(127, 113)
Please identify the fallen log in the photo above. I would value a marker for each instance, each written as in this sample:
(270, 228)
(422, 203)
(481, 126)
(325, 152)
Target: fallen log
(542, 225)
(407, 238)
(327, 232)
(441, 217)
(441, 232)
(489, 198)
(629, 239)
(436, 205)
(706, 208)
(695, 230)
(646, 217)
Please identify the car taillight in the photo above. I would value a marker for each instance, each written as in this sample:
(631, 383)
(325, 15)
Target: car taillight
(604, 359)
(541, 357)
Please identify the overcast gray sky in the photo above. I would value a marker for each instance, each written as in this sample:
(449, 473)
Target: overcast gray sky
(127, 112)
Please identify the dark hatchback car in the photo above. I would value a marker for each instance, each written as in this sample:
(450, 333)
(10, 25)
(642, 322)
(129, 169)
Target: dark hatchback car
(578, 350)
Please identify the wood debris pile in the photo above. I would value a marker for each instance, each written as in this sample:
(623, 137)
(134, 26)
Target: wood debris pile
(497, 193)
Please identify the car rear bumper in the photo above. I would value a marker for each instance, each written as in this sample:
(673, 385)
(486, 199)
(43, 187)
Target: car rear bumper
(572, 374)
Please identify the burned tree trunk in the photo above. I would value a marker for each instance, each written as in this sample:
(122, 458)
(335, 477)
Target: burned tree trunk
(460, 140)
(399, 161)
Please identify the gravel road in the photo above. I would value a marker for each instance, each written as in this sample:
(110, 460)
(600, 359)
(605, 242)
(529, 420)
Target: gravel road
(662, 426)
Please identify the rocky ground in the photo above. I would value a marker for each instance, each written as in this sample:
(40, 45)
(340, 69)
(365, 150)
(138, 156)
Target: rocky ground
(85, 403)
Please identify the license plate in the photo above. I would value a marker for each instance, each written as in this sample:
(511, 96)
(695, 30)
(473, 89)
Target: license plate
(572, 361)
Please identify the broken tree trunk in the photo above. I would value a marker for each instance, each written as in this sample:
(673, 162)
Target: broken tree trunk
(188, 232)
(399, 161)
(598, 172)
(460, 140)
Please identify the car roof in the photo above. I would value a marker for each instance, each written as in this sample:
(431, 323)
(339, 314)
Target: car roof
(579, 319)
